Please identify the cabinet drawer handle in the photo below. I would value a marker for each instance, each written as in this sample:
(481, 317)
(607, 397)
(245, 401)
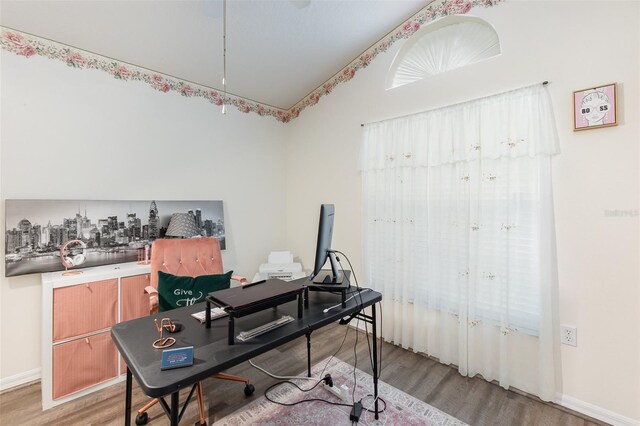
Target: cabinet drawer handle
(86, 340)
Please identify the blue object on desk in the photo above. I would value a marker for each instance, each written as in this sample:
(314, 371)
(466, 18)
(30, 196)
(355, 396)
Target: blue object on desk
(176, 357)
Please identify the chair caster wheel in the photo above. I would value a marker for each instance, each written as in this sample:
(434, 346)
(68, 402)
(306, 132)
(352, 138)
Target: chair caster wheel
(249, 389)
(201, 424)
(142, 419)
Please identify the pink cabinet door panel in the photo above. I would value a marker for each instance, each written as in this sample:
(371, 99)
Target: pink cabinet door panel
(84, 308)
(83, 363)
(123, 366)
(134, 301)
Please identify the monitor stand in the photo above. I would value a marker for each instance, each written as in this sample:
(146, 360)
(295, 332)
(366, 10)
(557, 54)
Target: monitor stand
(326, 277)
(330, 285)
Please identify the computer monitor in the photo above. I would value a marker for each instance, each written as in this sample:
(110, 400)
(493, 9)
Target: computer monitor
(323, 249)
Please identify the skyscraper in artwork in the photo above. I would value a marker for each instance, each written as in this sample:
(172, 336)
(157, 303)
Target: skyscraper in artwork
(199, 218)
(154, 221)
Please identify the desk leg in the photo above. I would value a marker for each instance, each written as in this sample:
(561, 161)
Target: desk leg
(231, 330)
(375, 359)
(344, 297)
(300, 296)
(127, 399)
(207, 315)
(174, 408)
(306, 297)
(308, 353)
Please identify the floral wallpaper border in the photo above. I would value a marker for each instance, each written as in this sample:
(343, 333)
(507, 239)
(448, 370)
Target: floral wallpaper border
(435, 10)
(28, 45)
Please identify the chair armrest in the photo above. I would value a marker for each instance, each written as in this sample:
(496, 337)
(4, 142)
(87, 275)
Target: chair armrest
(242, 280)
(153, 299)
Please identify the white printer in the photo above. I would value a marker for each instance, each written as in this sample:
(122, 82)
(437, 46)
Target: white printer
(280, 266)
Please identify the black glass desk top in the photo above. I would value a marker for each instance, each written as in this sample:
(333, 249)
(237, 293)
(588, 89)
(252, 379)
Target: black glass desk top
(212, 353)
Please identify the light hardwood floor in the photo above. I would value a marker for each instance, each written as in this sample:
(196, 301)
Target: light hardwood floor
(471, 400)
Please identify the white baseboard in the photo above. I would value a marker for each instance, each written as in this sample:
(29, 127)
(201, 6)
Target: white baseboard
(595, 411)
(19, 379)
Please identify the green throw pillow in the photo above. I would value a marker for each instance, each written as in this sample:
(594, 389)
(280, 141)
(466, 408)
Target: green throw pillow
(176, 292)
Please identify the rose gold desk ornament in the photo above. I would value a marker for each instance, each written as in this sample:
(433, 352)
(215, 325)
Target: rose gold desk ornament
(164, 342)
(144, 255)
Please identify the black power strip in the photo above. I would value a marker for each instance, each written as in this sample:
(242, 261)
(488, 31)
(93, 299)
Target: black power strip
(356, 411)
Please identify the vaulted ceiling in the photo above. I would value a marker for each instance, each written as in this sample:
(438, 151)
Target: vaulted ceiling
(277, 51)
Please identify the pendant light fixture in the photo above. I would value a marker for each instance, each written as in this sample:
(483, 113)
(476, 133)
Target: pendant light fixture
(224, 56)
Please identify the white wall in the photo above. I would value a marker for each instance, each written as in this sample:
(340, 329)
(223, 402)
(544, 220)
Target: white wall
(574, 45)
(80, 134)
(127, 141)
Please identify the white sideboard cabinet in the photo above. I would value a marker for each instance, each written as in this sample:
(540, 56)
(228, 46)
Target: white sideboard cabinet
(78, 355)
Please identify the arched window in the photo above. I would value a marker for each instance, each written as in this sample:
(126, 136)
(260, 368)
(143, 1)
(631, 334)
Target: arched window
(449, 43)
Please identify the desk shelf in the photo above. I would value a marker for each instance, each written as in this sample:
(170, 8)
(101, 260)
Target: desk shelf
(241, 301)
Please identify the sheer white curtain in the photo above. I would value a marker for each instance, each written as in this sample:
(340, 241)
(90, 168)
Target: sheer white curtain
(459, 235)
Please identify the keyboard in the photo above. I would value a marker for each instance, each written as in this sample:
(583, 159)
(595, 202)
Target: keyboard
(250, 334)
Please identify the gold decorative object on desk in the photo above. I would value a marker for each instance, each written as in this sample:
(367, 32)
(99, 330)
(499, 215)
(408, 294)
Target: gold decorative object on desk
(164, 342)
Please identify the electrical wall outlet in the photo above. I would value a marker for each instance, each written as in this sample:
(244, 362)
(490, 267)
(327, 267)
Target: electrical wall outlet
(569, 335)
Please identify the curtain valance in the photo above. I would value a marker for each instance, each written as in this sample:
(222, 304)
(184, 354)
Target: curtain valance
(513, 124)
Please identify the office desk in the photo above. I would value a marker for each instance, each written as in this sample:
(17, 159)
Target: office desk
(212, 353)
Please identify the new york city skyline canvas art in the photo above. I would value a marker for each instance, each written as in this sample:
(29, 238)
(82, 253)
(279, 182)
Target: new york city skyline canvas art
(113, 230)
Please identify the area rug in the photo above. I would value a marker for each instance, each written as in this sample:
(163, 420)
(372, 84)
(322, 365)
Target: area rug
(401, 408)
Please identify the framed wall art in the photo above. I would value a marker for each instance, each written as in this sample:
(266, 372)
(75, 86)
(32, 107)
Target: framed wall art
(595, 107)
(111, 231)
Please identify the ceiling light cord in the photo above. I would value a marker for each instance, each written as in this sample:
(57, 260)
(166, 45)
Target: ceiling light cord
(224, 56)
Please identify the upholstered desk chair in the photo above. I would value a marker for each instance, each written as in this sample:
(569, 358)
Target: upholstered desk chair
(191, 257)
